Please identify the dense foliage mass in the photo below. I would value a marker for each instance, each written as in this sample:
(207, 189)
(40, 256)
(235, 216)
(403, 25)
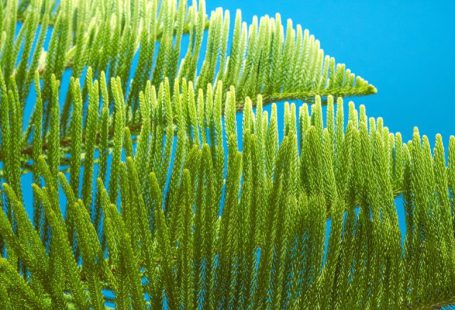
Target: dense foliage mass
(148, 194)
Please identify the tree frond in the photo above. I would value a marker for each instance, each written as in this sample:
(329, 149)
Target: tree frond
(265, 57)
(259, 238)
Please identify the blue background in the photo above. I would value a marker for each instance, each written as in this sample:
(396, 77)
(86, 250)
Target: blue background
(403, 47)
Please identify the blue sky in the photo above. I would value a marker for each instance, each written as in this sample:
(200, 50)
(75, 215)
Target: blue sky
(405, 48)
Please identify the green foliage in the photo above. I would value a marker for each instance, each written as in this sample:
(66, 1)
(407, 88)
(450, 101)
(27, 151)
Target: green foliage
(106, 36)
(162, 204)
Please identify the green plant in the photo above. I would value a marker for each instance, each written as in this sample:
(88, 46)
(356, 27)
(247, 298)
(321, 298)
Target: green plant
(163, 208)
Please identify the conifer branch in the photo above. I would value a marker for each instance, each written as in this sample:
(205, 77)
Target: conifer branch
(146, 191)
